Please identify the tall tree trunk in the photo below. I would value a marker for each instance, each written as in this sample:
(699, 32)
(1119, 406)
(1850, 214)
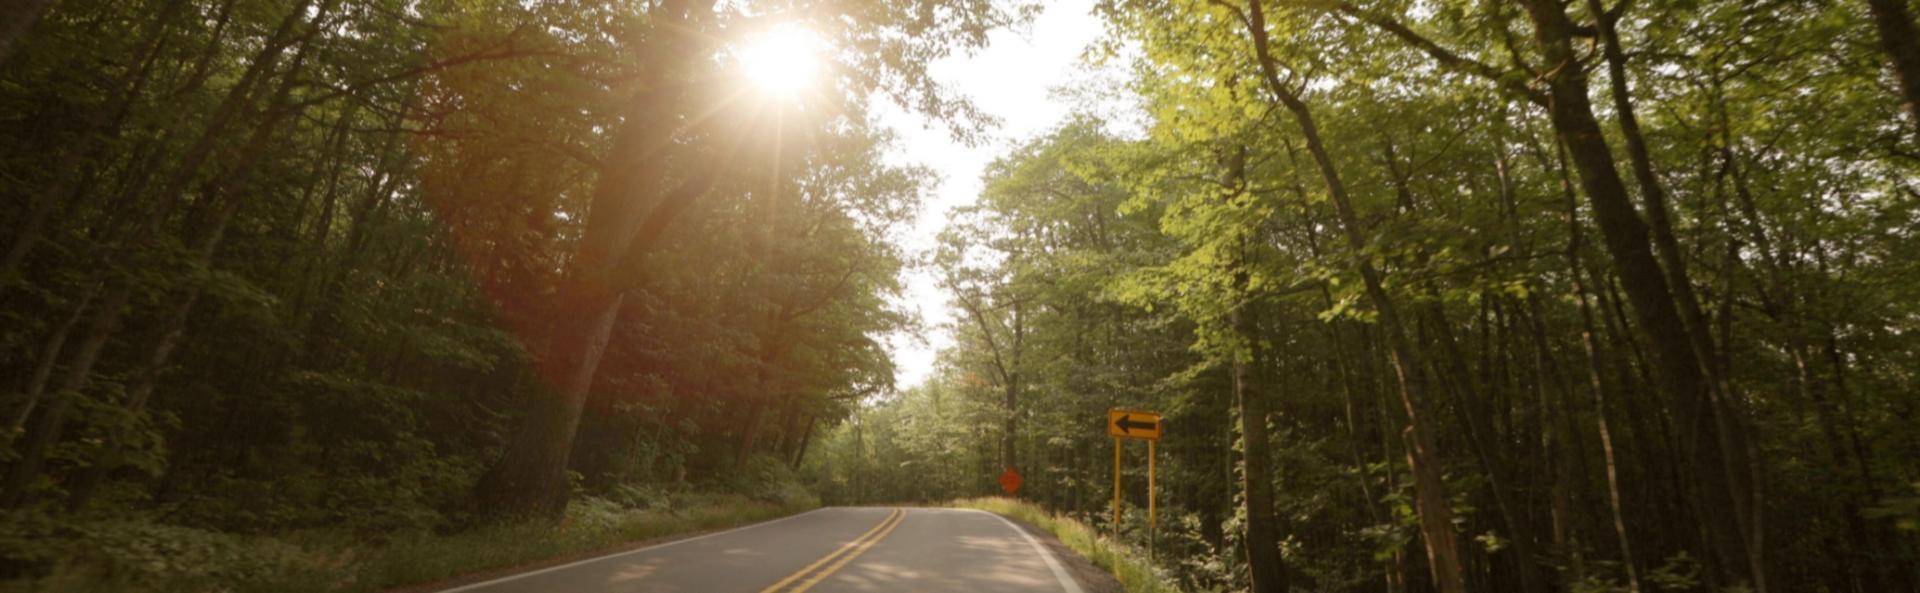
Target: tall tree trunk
(111, 455)
(530, 478)
(756, 423)
(1267, 569)
(1653, 192)
(806, 438)
(1722, 497)
(43, 370)
(627, 213)
(1779, 302)
(1902, 43)
(1472, 410)
(1597, 383)
(1261, 540)
(1391, 565)
(1010, 431)
(1431, 500)
(1743, 463)
(1472, 413)
(46, 428)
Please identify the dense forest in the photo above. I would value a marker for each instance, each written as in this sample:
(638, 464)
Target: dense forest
(386, 267)
(1454, 296)
(1442, 295)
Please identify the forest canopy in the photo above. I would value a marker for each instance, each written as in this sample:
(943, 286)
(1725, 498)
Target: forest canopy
(1453, 296)
(1504, 295)
(383, 268)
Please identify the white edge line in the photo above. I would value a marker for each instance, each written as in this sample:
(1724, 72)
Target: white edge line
(633, 551)
(1066, 582)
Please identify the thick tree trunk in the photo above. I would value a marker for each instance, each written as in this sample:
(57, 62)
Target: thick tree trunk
(1901, 41)
(1653, 192)
(1261, 540)
(1743, 468)
(530, 478)
(1722, 499)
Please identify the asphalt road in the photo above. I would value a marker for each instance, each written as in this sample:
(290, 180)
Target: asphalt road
(831, 550)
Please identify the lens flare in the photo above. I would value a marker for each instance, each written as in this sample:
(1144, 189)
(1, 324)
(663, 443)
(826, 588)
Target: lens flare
(782, 61)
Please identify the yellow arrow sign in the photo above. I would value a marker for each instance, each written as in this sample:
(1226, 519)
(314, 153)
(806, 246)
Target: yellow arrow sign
(1132, 424)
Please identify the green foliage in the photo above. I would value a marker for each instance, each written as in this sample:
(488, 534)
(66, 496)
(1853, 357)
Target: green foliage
(296, 267)
(280, 275)
(1160, 268)
(135, 555)
(140, 556)
(769, 480)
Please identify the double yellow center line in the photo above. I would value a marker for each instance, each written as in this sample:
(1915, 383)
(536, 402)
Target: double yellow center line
(801, 581)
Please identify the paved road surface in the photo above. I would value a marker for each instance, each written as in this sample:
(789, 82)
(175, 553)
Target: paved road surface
(831, 550)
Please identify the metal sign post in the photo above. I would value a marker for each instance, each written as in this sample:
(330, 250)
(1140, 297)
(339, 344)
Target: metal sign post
(1116, 488)
(1133, 424)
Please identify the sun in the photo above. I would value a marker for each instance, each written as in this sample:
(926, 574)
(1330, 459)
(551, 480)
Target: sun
(782, 60)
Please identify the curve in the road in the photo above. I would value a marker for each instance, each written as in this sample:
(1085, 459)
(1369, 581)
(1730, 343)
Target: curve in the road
(829, 550)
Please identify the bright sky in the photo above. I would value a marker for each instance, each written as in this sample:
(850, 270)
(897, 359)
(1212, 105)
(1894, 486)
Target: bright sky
(1011, 79)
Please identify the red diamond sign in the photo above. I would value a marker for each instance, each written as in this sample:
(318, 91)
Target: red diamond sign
(1010, 481)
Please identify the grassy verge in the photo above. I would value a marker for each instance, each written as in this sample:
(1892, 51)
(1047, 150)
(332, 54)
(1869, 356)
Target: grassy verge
(1114, 557)
(159, 559)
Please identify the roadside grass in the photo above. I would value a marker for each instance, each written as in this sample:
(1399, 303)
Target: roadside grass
(425, 559)
(1118, 559)
(107, 559)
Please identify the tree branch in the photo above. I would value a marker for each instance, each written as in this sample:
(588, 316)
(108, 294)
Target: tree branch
(1447, 58)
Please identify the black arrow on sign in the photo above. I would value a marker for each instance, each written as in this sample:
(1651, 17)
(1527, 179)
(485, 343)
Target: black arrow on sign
(1126, 424)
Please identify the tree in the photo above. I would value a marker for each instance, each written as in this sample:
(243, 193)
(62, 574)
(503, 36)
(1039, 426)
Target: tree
(630, 210)
(1902, 44)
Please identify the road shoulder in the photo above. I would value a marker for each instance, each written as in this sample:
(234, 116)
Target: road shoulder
(1091, 578)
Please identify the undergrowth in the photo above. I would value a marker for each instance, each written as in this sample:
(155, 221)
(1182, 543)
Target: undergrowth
(138, 555)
